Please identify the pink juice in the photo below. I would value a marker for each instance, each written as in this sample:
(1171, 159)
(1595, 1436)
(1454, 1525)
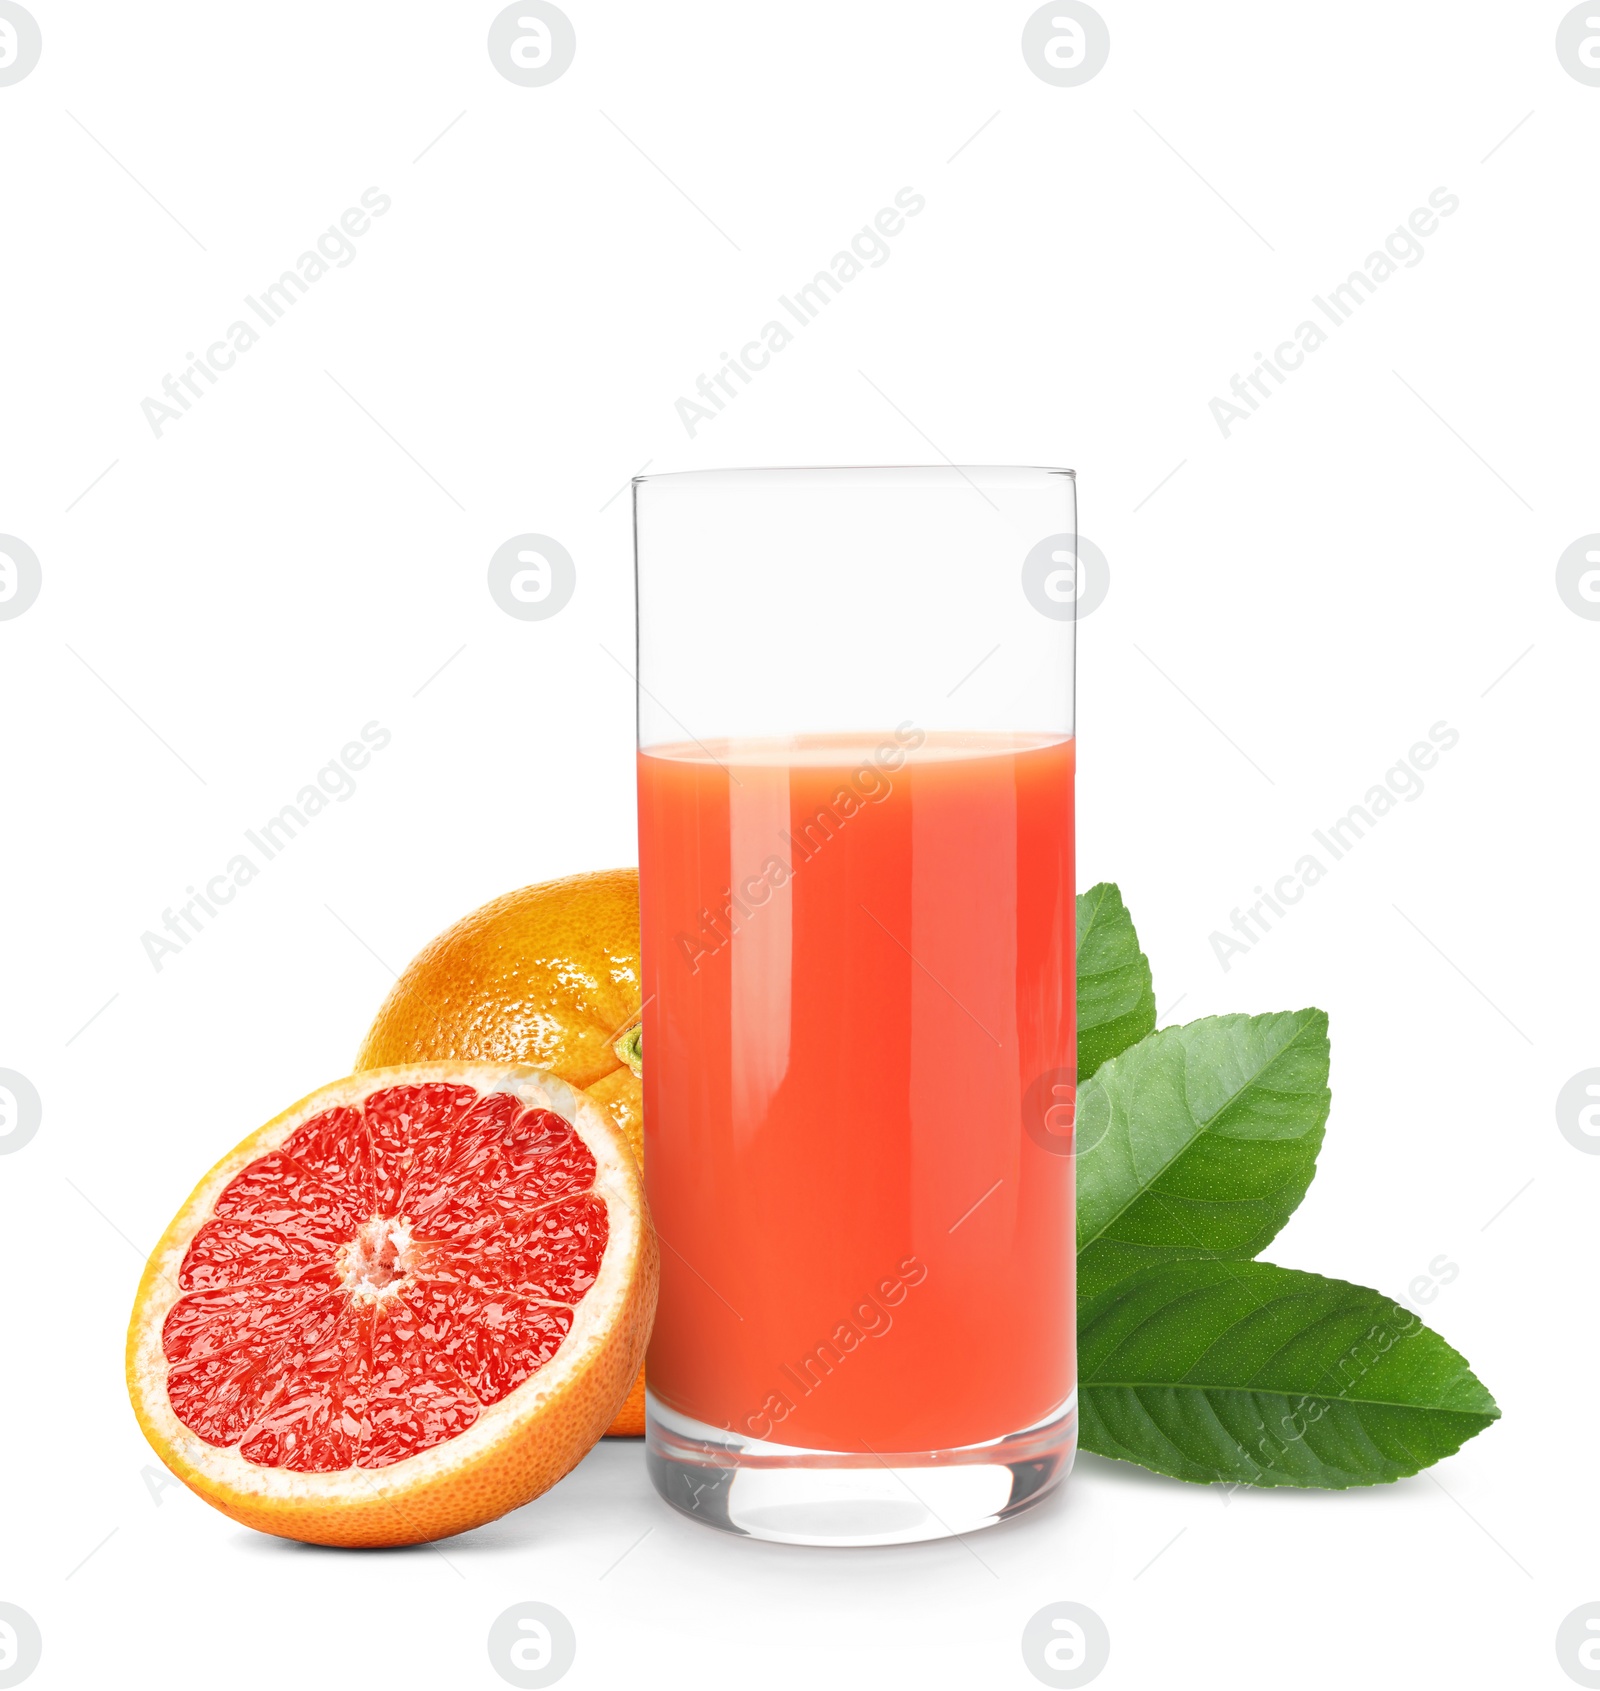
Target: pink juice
(858, 960)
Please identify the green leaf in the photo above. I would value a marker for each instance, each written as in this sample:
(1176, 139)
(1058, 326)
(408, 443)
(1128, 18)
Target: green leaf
(1249, 1372)
(1116, 1003)
(1199, 1141)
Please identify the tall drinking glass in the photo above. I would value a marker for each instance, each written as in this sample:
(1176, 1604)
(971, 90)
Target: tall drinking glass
(856, 877)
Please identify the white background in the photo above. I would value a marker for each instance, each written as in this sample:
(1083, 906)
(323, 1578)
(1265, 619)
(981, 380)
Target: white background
(228, 603)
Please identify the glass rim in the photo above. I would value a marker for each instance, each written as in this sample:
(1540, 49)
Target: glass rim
(759, 473)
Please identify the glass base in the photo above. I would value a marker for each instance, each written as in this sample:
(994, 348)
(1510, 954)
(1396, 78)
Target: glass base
(794, 1496)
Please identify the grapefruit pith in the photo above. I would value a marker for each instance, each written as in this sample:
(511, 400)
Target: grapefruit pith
(547, 975)
(409, 1303)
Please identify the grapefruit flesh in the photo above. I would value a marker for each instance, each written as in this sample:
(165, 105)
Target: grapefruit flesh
(412, 1302)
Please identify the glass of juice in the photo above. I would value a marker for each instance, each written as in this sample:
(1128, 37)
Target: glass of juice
(855, 694)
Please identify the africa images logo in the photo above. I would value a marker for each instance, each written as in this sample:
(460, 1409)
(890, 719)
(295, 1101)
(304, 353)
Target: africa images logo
(20, 42)
(335, 248)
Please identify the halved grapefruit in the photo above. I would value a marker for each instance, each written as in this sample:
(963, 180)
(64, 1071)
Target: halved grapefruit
(411, 1302)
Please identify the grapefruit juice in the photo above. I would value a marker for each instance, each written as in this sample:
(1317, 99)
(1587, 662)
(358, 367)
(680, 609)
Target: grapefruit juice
(858, 973)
